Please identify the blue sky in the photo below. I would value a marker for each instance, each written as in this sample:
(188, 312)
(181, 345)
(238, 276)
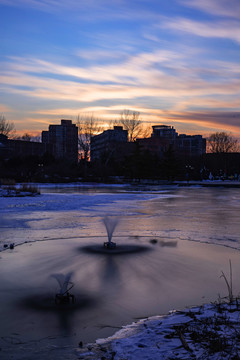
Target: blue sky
(176, 62)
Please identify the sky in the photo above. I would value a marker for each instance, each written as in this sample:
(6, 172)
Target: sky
(176, 62)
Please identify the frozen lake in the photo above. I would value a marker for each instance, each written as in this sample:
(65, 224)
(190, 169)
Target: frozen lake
(180, 227)
(198, 214)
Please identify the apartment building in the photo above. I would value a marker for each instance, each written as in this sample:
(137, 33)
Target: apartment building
(63, 139)
(112, 142)
(164, 137)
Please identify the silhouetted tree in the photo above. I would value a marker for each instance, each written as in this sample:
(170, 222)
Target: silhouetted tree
(222, 142)
(26, 137)
(130, 121)
(6, 128)
(88, 126)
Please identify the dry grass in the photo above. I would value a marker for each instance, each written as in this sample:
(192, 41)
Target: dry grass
(229, 283)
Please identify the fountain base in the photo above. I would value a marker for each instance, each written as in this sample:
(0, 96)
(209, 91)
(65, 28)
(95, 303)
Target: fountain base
(64, 299)
(109, 245)
(49, 302)
(121, 249)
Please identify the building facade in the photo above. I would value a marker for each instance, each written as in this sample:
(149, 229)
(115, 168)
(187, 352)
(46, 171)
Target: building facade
(114, 143)
(191, 145)
(63, 139)
(21, 148)
(164, 131)
(111, 142)
(164, 137)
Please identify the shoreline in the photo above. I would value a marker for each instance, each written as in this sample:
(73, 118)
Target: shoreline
(202, 332)
(209, 183)
(133, 182)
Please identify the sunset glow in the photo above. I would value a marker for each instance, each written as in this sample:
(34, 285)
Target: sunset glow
(177, 63)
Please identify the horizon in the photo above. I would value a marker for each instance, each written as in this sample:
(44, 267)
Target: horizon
(175, 63)
(106, 126)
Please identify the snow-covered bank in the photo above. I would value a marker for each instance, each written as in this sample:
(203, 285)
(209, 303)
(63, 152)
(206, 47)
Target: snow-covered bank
(207, 332)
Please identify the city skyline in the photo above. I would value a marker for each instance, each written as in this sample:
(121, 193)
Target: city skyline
(176, 63)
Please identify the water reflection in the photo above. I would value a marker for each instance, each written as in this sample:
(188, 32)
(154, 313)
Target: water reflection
(110, 274)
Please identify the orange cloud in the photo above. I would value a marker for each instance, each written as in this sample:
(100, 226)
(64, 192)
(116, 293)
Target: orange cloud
(4, 109)
(183, 95)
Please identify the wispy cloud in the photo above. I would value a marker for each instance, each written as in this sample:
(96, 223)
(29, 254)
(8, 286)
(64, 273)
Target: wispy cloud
(225, 8)
(133, 69)
(221, 29)
(216, 120)
(148, 75)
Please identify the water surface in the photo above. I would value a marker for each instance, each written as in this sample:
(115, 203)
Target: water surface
(180, 227)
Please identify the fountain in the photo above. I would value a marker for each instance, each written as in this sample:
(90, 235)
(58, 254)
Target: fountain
(64, 297)
(110, 225)
(109, 247)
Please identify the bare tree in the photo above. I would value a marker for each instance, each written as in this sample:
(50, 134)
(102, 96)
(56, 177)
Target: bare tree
(29, 137)
(88, 126)
(146, 131)
(26, 137)
(6, 127)
(222, 142)
(130, 121)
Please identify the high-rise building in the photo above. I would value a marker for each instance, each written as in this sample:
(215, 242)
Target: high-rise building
(64, 139)
(111, 142)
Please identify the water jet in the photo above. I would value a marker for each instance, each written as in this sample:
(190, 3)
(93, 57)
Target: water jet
(110, 225)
